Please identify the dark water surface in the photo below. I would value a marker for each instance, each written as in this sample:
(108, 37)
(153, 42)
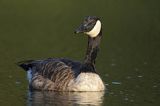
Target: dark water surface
(128, 62)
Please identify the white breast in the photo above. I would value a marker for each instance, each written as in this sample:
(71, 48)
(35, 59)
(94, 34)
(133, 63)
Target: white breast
(87, 82)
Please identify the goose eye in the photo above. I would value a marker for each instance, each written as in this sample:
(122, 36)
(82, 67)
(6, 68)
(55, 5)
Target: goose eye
(90, 23)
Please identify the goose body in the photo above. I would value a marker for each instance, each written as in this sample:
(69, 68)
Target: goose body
(62, 74)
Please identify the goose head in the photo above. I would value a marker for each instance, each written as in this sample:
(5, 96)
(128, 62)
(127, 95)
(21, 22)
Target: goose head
(90, 26)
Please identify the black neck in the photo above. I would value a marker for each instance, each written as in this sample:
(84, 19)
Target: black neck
(91, 53)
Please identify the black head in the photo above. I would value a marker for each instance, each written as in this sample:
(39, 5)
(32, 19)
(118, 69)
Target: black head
(91, 26)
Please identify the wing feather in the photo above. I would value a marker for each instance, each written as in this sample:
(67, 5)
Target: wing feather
(51, 74)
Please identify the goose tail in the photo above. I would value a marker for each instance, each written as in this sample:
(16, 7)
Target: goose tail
(26, 65)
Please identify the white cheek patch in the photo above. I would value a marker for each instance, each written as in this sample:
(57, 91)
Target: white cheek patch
(96, 29)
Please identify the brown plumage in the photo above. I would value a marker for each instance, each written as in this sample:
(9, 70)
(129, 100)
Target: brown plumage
(51, 74)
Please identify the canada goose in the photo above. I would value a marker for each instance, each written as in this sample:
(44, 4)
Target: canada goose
(61, 74)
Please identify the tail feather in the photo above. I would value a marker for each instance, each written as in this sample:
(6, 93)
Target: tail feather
(26, 65)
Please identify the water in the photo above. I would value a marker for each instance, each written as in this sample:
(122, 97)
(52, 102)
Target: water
(128, 61)
(46, 98)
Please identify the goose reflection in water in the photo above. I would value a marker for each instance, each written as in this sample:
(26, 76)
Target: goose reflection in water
(47, 98)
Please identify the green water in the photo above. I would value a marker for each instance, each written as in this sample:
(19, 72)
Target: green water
(128, 62)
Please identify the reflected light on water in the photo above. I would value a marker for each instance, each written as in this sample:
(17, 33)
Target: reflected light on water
(48, 98)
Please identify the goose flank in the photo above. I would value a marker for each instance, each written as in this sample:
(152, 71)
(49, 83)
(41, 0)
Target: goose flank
(62, 74)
